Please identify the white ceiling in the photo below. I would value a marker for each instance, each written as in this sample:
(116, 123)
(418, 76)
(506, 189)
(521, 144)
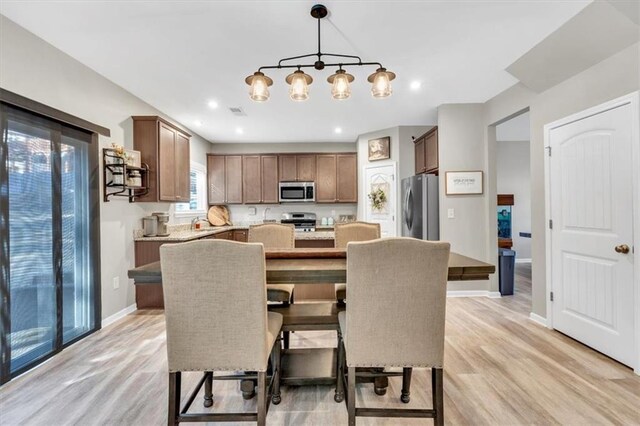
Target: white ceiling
(177, 56)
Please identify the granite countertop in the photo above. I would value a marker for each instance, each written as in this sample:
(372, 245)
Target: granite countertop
(183, 234)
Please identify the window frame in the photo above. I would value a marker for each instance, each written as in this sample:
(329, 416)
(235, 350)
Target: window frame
(201, 197)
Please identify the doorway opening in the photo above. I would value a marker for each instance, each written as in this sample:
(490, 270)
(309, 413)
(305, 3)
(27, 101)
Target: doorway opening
(513, 215)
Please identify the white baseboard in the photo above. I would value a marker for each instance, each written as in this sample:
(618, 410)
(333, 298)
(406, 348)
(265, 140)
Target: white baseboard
(474, 293)
(523, 260)
(118, 315)
(538, 319)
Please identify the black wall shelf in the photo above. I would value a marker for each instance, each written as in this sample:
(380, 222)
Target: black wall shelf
(116, 173)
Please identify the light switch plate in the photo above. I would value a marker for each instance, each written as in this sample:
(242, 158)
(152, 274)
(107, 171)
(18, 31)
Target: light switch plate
(252, 211)
(451, 214)
(116, 283)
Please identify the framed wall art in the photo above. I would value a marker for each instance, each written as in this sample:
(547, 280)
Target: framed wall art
(380, 149)
(463, 183)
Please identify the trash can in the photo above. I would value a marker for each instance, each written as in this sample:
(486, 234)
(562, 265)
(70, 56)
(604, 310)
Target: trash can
(506, 269)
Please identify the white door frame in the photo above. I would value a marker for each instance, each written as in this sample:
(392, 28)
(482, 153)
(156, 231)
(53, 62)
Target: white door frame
(396, 189)
(632, 99)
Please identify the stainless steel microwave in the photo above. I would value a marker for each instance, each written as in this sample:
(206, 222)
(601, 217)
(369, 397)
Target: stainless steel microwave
(297, 192)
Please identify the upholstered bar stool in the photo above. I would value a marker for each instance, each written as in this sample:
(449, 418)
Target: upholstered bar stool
(408, 328)
(207, 333)
(353, 231)
(276, 236)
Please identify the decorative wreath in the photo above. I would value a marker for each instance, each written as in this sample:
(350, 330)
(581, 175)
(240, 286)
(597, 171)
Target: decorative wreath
(378, 199)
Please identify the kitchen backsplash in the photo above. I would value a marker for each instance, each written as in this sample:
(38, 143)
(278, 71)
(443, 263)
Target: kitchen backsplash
(244, 213)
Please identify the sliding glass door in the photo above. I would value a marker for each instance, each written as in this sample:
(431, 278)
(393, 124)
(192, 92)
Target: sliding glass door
(47, 280)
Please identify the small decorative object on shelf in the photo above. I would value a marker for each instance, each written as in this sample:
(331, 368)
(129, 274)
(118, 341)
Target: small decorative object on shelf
(120, 178)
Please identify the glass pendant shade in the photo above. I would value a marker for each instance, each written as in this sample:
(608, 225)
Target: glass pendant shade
(340, 84)
(299, 85)
(381, 83)
(259, 86)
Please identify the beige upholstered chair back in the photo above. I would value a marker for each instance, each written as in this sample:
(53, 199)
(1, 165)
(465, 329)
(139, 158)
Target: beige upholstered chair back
(396, 288)
(355, 231)
(205, 331)
(273, 235)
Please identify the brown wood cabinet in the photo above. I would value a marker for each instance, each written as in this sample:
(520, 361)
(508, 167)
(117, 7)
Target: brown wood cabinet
(426, 152)
(270, 190)
(260, 179)
(347, 178)
(224, 179)
(165, 148)
(336, 178)
(240, 235)
(254, 178)
(326, 172)
(297, 167)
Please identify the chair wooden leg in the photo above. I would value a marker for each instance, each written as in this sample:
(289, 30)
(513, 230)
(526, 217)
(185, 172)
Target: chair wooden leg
(208, 389)
(339, 396)
(437, 389)
(380, 384)
(406, 385)
(174, 398)
(285, 339)
(276, 371)
(351, 395)
(262, 398)
(248, 387)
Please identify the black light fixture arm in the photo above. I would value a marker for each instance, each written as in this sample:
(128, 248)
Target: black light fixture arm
(319, 12)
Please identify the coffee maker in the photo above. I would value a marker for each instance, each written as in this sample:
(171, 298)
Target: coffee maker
(163, 218)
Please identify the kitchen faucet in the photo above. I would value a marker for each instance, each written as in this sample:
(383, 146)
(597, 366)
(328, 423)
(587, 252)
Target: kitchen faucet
(194, 221)
(264, 214)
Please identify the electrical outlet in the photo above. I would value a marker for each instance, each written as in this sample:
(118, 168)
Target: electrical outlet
(451, 214)
(252, 211)
(116, 283)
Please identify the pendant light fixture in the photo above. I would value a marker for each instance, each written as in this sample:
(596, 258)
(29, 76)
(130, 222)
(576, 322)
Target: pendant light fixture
(299, 81)
(259, 86)
(340, 88)
(299, 85)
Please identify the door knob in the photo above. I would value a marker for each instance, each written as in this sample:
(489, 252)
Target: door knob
(622, 248)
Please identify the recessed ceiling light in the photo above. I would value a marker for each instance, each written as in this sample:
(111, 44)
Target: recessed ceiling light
(198, 123)
(213, 104)
(239, 130)
(415, 85)
(338, 130)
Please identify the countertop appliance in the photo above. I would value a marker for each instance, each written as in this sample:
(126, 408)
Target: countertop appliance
(304, 222)
(297, 192)
(420, 216)
(149, 226)
(163, 218)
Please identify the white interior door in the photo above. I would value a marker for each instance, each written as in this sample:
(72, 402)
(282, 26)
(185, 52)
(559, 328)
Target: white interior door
(591, 206)
(381, 177)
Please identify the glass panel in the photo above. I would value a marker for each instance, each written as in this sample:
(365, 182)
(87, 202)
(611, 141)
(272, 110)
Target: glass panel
(197, 191)
(294, 193)
(77, 305)
(31, 279)
(504, 221)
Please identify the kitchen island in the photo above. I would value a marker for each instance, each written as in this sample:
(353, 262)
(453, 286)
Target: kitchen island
(147, 250)
(309, 268)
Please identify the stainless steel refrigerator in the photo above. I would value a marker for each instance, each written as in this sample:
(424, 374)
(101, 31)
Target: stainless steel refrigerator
(420, 216)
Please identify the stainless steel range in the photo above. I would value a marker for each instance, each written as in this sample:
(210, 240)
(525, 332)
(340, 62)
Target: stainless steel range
(304, 222)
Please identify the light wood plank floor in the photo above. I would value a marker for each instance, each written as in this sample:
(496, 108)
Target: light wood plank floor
(500, 369)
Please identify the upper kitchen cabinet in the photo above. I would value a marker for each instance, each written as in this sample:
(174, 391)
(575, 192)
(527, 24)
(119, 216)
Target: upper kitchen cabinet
(165, 148)
(347, 178)
(336, 178)
(326, 191)
(301, 167)
(260, 179)
(426, 152)
(224, 176)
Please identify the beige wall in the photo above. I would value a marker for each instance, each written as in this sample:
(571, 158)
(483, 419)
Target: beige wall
(33, 68)
(462, 146)
(614, 77)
